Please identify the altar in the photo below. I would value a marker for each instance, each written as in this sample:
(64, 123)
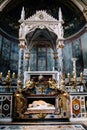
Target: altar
(46, 74)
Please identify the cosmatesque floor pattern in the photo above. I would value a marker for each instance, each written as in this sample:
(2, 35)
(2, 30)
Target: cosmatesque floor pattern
(43, 127)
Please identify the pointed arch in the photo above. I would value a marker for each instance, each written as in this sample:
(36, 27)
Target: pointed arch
(50, 36)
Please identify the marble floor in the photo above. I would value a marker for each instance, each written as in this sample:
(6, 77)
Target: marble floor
(43, 127)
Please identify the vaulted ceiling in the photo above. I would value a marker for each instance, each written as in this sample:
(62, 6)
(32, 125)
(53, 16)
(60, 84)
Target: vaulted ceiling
(72, 10)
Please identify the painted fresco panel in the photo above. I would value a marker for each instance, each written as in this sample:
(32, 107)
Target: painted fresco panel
(76, 48)
(67, 53)
(9, 57)
(14, 65)
(41, 64)
(4, 67)
(84, 48)
(50, 59)
(42, 59)
(14, 57)
(78, 54)
(32, 60)
(6, 49)
(14, 47)
(14, 51)
(38, 57)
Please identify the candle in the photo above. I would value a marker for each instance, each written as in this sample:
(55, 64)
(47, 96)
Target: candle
(1, 76)
(29, 68)
(53, 68)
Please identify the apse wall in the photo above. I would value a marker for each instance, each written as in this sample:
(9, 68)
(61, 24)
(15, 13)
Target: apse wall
(75, 47)
(8, 53)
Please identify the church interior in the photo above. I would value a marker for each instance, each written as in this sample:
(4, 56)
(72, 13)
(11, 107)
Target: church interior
(43, 64)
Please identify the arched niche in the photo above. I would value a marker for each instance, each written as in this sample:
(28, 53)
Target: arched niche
(41, 43)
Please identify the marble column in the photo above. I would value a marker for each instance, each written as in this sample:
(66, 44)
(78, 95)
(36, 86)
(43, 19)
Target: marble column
(60, 47)
(26, 60)
(21, 58)
(56, 61)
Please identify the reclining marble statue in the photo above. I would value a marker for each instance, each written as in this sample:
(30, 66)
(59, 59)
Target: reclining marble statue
(40, 105)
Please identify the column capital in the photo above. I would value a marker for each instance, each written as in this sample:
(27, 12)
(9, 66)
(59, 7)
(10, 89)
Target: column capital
(27, 55)
(74, 59)
(21, 39)
(22, 43)
(55, 55)
(60, 43)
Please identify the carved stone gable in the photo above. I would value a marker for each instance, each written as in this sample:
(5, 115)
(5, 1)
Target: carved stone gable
(41, 16)
(41, 20)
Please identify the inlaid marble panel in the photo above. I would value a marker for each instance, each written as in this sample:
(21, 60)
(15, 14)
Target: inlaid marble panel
(42, 127)
(5, 107)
